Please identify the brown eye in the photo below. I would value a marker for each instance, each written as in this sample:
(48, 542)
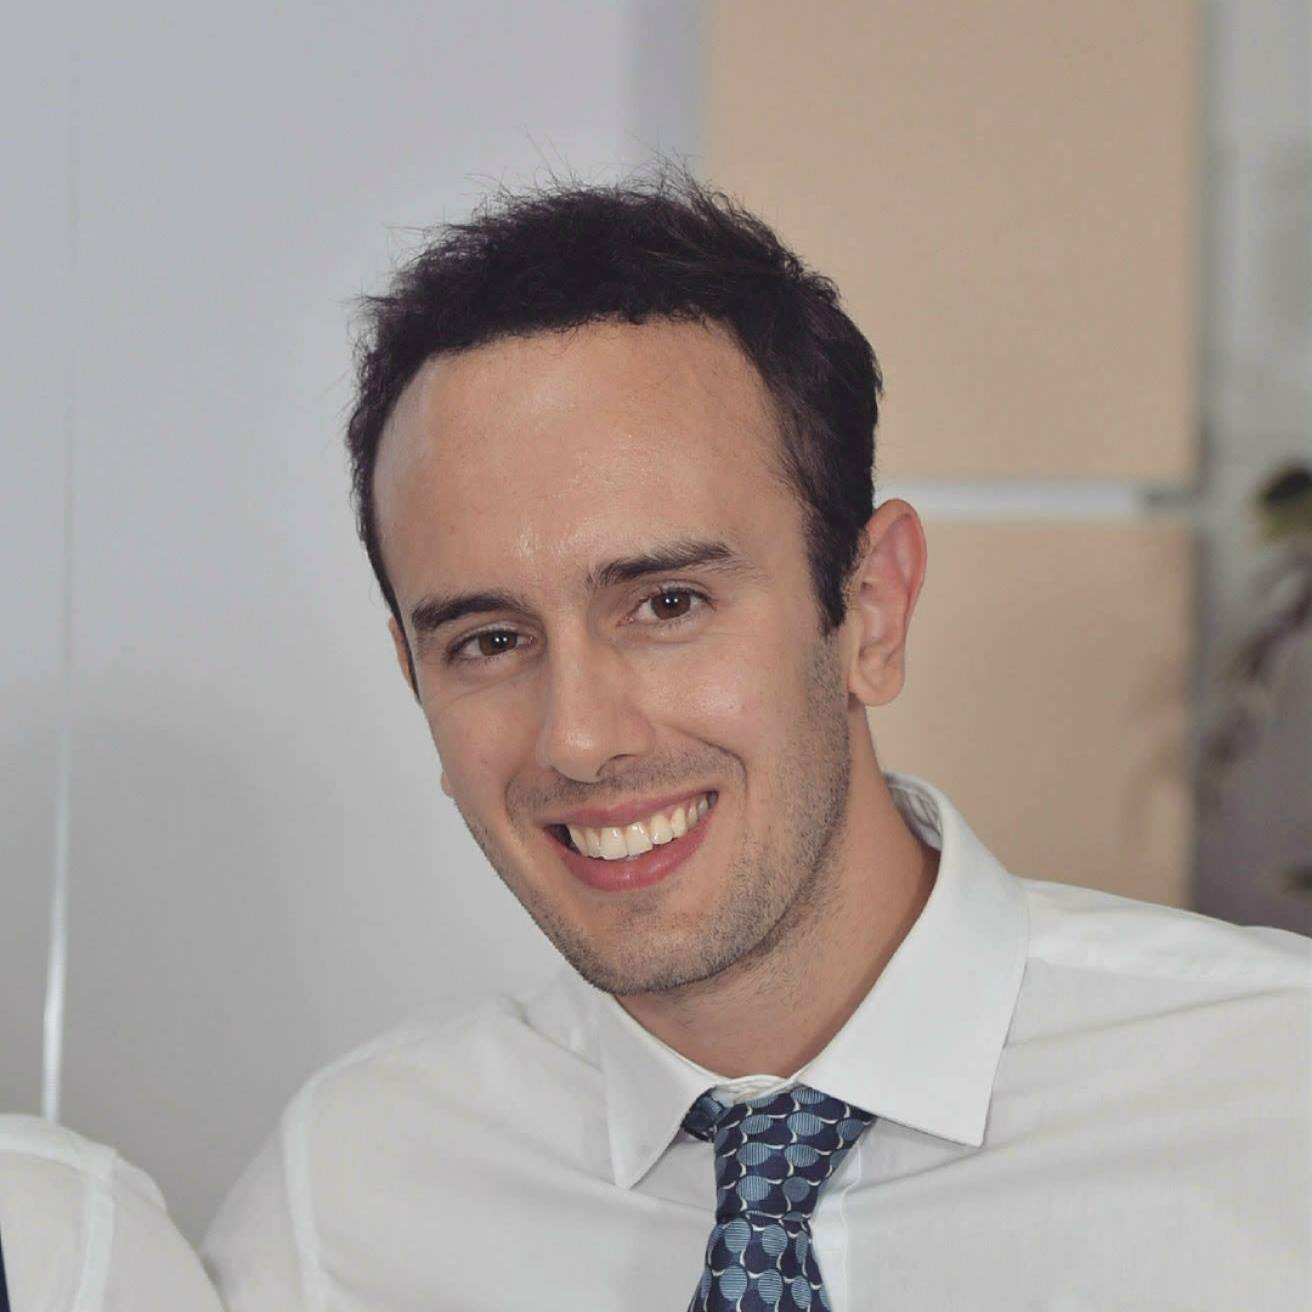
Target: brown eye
(496, 643)
(670, 605)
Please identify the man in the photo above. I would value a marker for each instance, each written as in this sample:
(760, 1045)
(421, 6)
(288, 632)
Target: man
(813, 1046)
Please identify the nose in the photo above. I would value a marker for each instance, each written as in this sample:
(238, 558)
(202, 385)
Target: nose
(591, 715)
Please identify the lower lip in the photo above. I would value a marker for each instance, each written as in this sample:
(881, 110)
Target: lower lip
(636, 871)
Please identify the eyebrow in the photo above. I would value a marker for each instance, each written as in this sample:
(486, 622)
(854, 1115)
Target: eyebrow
(437, 610)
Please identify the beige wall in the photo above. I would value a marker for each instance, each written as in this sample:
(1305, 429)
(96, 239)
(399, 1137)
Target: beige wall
(1005, 196)
(1048, 684)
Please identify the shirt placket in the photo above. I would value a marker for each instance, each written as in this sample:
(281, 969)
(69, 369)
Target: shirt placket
(829, 1229)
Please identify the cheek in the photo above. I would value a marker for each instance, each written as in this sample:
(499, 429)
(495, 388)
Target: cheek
(732, 691)
(478, 743)
(727, 696)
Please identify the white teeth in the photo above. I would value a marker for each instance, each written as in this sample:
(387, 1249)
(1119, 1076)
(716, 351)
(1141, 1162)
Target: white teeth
(635, 835)
(614, 843)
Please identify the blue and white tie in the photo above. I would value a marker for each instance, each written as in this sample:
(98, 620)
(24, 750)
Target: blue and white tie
(773, 1155)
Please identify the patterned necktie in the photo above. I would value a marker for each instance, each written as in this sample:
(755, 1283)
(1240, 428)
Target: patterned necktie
(773, 1155)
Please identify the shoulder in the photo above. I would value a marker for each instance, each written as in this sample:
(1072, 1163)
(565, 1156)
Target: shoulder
(1084, 928)
(375, 1139)
(82, 1227)
(1181, 991)
(453, 1058)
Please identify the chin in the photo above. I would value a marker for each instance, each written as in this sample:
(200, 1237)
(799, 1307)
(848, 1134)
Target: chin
(631, 977)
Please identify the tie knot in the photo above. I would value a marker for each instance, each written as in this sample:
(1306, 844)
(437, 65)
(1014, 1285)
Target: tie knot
(773, 1154)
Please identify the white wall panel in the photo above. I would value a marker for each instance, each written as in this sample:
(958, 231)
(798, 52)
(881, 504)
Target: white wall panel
(35, 309)
(266, 871)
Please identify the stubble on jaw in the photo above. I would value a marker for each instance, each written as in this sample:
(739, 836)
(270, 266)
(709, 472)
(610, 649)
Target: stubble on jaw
(776, 896)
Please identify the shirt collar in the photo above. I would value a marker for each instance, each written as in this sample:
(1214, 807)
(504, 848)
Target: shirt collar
(922, 1047)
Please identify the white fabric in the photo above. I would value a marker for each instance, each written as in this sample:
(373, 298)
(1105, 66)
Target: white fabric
(1084, 1102)
(82, 1231)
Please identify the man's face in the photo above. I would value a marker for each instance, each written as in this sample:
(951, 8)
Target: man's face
(525, 467)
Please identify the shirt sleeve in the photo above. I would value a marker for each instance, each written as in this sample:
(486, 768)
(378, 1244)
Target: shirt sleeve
(85, 1232)
(152, 1268)
(254, 1249)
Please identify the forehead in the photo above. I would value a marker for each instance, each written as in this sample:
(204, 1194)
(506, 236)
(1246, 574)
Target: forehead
(534, 456)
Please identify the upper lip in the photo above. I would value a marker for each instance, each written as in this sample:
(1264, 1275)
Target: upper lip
(622, 813)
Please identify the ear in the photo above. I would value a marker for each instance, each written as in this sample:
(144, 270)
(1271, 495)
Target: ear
(402, 654)
(881, 596)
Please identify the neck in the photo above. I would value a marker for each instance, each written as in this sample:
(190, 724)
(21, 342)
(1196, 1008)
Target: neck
(775, 1012)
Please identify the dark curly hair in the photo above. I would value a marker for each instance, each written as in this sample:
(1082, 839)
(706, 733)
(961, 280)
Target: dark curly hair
(668, 247)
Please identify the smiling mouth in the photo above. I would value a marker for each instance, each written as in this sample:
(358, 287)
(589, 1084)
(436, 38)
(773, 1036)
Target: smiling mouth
(624, 842)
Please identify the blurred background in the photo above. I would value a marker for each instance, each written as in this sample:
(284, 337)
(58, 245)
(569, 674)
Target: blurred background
(1078, 236)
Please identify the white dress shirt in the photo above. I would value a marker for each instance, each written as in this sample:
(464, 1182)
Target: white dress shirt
(1083, 1102)
(82, 1231)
